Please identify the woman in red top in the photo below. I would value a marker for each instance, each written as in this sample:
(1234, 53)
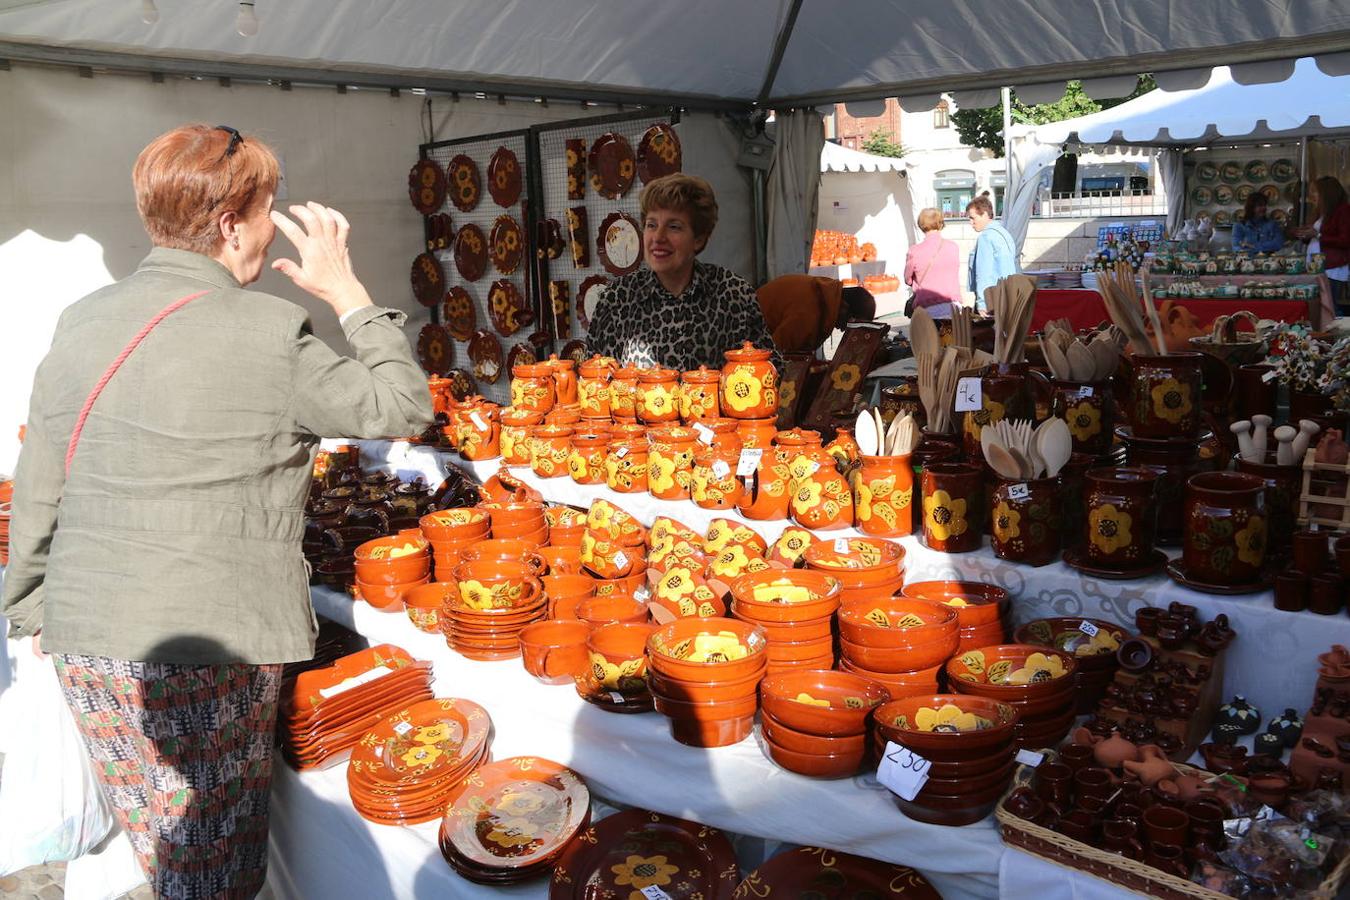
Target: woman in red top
(932, 267)
(1332, 232)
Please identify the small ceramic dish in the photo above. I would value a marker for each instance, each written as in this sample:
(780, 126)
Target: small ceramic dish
(899, 720)
(715, 649)
(827, 703)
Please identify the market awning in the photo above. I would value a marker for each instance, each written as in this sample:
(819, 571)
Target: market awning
(838, 158)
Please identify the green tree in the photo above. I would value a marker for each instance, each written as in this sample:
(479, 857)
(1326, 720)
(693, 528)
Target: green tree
(984, 127)
(880, 144)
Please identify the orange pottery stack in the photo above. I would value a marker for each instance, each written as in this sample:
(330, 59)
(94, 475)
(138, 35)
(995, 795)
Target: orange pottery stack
(795, 608)
(899, 642)
(865, 567)
(704, 675)
(815, 722)
(496, 598)
(1038, 681)
(451, 532)
(388, 566)
(523, 520)
(979, 608)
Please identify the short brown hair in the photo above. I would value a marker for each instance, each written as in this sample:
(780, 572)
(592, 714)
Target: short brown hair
(981, 205)
(931, 219)
(1254, 199)
(1330, 194)
(687, 194)
(186, 178)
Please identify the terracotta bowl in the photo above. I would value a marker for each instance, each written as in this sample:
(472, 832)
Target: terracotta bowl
(949, 809)
(505, 580)
(530, 603)
(388, 597)
(485, 655)
(561, 560)
(501, 548)
(566, 537)
(473, 630)
(805, 742)
(455, 525)
(895, 721)
(531, 532)
(597, 611)
(713, 732)
(820, 662)
(841, 765)
(670, 646)
(1036, 708)
(704, 691)
(900, 684)
(860, 622)
(558, 587)
(401, 569)
(880, 591)
(851, 700)
(779, 632)
(886, 659)
(622, 645)
(368, 552)
(619, 587)
(796, 651)
(786, 595)
(509, 643)
(980, 636)
(1063, 633)
(955, 769)
(969, 672)
(511, 511)
(868, 561)
(983, 603)
(969, 784)
(704, 710)
(423, 604)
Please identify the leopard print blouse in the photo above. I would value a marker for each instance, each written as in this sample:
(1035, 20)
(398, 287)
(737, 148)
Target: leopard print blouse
(638, 321)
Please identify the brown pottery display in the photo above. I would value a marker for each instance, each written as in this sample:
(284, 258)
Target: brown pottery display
(1024, 520)
(1120, 506)
(1164, 397)
(1226, 527)
(953, 495)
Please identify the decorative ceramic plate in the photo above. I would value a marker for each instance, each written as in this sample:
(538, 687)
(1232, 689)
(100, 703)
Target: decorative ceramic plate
(459, 313)
(440, 232)
(471, 252)
(611, 165)
(428, 280)
(423, 740)
(315, 688)
(507, 307)
(813, 872)
(588, 297)
(1243, 192)
(516, 812)
(1231, 171)
(576, 351)
(485, 352)
(1202, 196)
(465, 187)
(1223, 194)
(658, 152)
(1272, 193)
(1280, 215)
(1064, 633)
(1257, 171)
(684, 859)
(1293, 191)
(504, 177)
(1206, 172)
(520, 355)
(1223, 218)
(1177, 572)
(506, 244)
(619, 243)
(1079, 560)
(576, 169)
(435, 349)
(461, 383)
(1283, 170)
(551, 240)
(426, 186)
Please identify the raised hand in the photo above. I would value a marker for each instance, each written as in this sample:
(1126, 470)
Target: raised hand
(325, 267)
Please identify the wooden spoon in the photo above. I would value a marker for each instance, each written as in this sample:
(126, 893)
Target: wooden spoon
(923, 333)
(865, 432)
(1081, 362)
(1105, 359)
(1055, 445)
(1055, 358)
(1022, 464)
(1002, 461)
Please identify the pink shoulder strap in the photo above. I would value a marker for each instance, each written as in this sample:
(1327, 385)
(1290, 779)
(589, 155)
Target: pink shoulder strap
(117, 364)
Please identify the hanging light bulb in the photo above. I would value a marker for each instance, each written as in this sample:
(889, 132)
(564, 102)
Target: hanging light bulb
(149, 12)
(246, 23)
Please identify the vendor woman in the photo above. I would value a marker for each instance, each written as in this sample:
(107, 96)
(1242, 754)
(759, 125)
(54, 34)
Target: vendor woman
(1257, 233)
(676, 311)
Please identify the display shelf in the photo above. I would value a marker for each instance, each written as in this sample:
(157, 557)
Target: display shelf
(1320, 308)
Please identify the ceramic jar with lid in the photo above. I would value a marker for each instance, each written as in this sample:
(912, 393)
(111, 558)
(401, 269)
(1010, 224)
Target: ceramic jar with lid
(757, 433)
(593, 387)
(844, 448)
(1088, 408)
(953, 500)
(1164, 395)
(480, 433)
(670, 462)
(1121, 508)
(586, 462)
(698, 394)
(515, 435)
(564, 372)
(550, 446)
(441, 394)
(749, 384)
(719, 433)
(563, 415)
(1225, 529)
(1024, 520)
(883, 494)
(626, 467)
(658, 396)
(623, 393)
(821, 497)
(532, 387)
(765, 494)
(713, 483)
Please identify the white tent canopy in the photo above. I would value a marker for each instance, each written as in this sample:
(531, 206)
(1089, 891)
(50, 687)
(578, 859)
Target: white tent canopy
(838, 158)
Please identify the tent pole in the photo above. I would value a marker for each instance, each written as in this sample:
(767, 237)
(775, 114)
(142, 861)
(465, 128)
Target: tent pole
(1303, 181)
(1007, 146)
(761, 226)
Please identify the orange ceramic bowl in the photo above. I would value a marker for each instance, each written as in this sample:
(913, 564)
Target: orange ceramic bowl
(524, 531)
(868, 561)
(618, 656)
(620, 587)
(980, 636)
(900, 684)
(562, 560)
(509, 511)
(397, 571)
(501, 548)
(976, 603)
(423, 604)
(805, 742)
(900, 623)
(458, 525)
(371, 551)
(969, 784)
(839, 765)
(897, 659)
(850, 698)
(970, 672)
(795, 651)
(711, 732)
(778, 632)
(786, 595)
(896, 722)
(598, 611)
(705, 710)
(561, 587)
(704, 691)
(960, 768)
(555, 652)
(1063, 633)
(671, 646)
(388, 597)
(880, 591)
(492, 583)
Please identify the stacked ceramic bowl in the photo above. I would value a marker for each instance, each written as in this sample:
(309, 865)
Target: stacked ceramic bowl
(406, 768)
(424, 603)
(388, 566)
(865, 567)
(618, 564)
(554, 650)
(564, 592)
(970, 743)
(1038, 681)
(495, 600)
(451, 532)
(1092, 642)
(704, 675)
(814, 722)
(979, 608)
(523, 520)
(506, 550)
(899, 642)
(795, 608)
(565, 526)
(615, 678)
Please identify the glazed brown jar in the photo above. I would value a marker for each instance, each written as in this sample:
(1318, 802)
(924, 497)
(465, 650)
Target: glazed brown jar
(1226, 529)
(1024, 520)
(1164, 395)
(1120, 505)
(953, 495)
(1088, 408)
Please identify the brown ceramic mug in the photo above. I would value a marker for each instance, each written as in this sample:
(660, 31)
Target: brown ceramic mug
(1168, 858)
(1120, 508)
(1054, 782)
(1075, 756)
(1024, 520)
(1291, 591)
(1165, 395)
(1226, 528)
(952, 501)
(1093, 782)
(1088, 408)
(1121, 836)
(1311, 549)
(1283, 486)
(1326, 593)
(1166, 825)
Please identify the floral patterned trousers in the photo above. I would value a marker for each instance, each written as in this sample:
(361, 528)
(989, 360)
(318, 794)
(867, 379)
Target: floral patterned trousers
(184, 754)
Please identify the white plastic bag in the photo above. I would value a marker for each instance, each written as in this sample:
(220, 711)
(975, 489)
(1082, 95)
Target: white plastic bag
(51, 807)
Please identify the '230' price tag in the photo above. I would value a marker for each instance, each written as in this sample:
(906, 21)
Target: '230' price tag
(903, 771)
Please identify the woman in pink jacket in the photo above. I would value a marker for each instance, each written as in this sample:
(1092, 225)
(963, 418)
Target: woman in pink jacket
(931, 268)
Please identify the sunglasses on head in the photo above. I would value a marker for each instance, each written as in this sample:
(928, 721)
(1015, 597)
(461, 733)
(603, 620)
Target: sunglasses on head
(235, 139)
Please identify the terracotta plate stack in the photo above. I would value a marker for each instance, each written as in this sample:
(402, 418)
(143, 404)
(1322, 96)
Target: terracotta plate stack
(815, 722)
(969, 741)
(510, 821)
(704, 675)
(450, 532)
(388, 566)
(795, 607)
(404, 770)
(866, 567)
(979, 608)
(496, 599)
(1092, 642)
(327, 710)
(899, 642)
(1038, 681)
(814, 872)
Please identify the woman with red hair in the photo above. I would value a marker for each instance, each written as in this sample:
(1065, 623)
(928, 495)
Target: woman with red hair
(159, 498)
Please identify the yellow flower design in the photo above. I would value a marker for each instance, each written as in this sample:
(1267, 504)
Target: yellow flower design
(627, 675)
(1084, 421)
(807, 497)
(1251, 541)
(420, 755)
(742, 389)
(718, 535)
(576, 466)
(792, 543)
(676, 583)
(519, 803)
(990, 412)
(658, 399)
(1171, 400)
(475, 594)
(601, 516)
(846, 377)
(730, 562)
(643, 872)
(433, 734)
(787, 394)
(863, 502)
(1109, 528)
(511, 833)
(944, 516)
(660, 473)
(1006, 521)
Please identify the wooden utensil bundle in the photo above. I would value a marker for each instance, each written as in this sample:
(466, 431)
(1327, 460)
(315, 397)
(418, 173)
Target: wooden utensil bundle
(1070, 359)
(1014, 449)
(1011, 301)
(1125, 307)
(899, 439)
(938, 374)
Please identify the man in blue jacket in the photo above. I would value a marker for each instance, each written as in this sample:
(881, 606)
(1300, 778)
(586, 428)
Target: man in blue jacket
(995, 254)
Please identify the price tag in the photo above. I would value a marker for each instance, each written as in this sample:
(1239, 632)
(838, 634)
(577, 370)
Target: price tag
(705, 434)
(621, 559)
(477, 420)
(1088, 628)
(1018, 492)
(621, 453)
(617, 697)
(720, 469)
(903, 771)
(1029, 758)
(968, 395)
(811, 467)
(355, 681)
(402, 728)
(1270, 376)
(652, 892)
(841, 545)
(749, 461)
(1084, 390)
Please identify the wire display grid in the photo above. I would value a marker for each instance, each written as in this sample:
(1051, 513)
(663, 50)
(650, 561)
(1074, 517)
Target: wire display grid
(480, 149)
(551, 171)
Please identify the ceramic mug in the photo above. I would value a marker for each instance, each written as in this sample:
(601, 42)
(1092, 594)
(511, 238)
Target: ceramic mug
(1312, 549)
(952, 501)
(1165, 394)
(1174, 461)
(1120, 509)
(1283, 486)
(1088, 408)
(514, 439)
(670, 465)
(1226, 528)
(586, 463)
(1024, 520)
(658, 396)
(1291, 591)
(593, 387)
(1007, 391)
(698, 394)
(1166, 825)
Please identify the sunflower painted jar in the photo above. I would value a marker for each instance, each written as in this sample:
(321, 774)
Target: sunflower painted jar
(670, 463)
(1226, 528)
(626, 467)
(593, 386)
(883, 494)
(953, 497)
(550, 446)
(698, 394)
(1283, 487)
(586, 462)
(1165, 395)
(563, 415)
(1088, 408)
(931, 449)
(757, 433)
(821, 497)
(1121, 508)
(844, 448)
(1024, 520)
(749, 384)
(721, 434)
(658, 396)
(532, 387)
(515, 435)
(623, 385)
(765, 494)
(713, 482)
(480, 433)
(1174, 461)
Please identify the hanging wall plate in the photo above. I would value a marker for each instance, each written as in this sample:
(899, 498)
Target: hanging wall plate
(612, 165)
(619, 244)
(428, 280)
(426, 186)
(588, 296)
(507, 306)
(504, 177)
(658, 152)
(485, 352)
(465, 187)
(459, 313)
(435, 350)
(471, 252)
(506, 244)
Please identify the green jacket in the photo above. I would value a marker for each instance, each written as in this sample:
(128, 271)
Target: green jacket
(176, 537)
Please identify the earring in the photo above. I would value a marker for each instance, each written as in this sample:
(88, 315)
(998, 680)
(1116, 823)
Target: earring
(235, 243)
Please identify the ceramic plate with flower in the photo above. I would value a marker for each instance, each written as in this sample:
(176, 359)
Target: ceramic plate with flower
(426, 186)
(508, 308)
(1202, 196)
(504, 179)
(1257, 171)
(815, 872)
(1283, 170)
(506, 244)
(459, 313)
(428, 279)
(464, 185)
(471, 252)
(612, 165)
(1231, 171)
(427, 738)
(516, 812)
(619, 243)
(658, 152)
(485, 352)
(588, 298)
(435, 349)
(1207, 172)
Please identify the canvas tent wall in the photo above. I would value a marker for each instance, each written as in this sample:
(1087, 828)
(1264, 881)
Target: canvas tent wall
(867, 195)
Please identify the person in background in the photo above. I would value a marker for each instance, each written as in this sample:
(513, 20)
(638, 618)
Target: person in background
(676, 311)
(801, 311)
(1330, 236)
(1257, 233)
(995, 253)
(159, 499)
(931, 268)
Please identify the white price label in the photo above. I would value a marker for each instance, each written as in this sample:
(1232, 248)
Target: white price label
(617, 697)
(621, 453)
(968, 394)
(621, 559)
(652, 892)
(705, 434)
(1084, 390)
(1088, 628)
(749, 462)
(1270, 376)
(841, 545)
(903, 771)
(811, 467)
(1029, 758)
(402, 728)
(477, 420)
(720, 469)
(355, 681)
(1018, 492)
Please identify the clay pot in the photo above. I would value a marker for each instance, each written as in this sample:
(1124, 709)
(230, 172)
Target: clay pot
(514, 438)
(1174, 461)
(1226, 528)
(480, 433)
(1165, 395)
(713, 482)
(657, 398)
(1088, 408)
(1311, 549)
(748, 387)
(670, 465)
(586, 461)
(623, 392)
(952, 507)
(626, 467)
(593, 388)
(698, 394)
(1283, 485)
(597, 611)
(1024, 520)
(765, 494)
(550, 447)
(883, 493)
(1120, 510)
(821, 497)
(932, 449)
(564, 379)
(1326, 593)
(532, 387)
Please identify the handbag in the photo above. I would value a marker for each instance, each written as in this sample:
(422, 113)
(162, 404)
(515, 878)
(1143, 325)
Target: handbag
(918, 282)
